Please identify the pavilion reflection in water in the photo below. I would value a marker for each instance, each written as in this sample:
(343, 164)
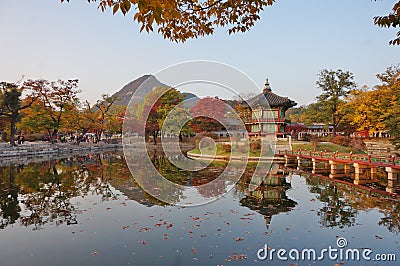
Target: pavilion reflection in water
(270, 198)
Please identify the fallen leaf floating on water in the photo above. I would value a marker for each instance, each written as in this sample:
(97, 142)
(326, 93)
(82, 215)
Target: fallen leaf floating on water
(144, 229)
(108, 208)
(235, 256)
(238, 239)
(169, 226)
(125, 227)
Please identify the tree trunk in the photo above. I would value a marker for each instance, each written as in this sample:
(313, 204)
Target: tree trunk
(334, 124)
(155, 137)
(53, 135)
(13, 130)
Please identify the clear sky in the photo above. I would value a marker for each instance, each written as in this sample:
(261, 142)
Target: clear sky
(291, 44)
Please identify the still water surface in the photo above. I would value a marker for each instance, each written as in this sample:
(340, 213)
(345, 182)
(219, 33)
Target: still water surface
(88, 210)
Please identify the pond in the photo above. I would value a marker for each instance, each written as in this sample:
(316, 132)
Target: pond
(88, 210)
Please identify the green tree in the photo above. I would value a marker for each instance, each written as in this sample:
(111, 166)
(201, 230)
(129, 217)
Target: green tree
(11, 105)
(174, 122)
(296, 114)
(158, 103)
(116, 119)
(335, 86)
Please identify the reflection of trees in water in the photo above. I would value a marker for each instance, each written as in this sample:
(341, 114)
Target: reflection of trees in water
(267, 200)
(9, 208)
(41, 193)
(335, 211)
(391, 219)
(342, 203)
(190, 178)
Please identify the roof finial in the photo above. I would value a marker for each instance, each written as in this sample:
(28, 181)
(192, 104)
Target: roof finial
(267, 87)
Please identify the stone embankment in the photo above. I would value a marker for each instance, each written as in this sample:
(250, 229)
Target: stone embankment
(30, 152)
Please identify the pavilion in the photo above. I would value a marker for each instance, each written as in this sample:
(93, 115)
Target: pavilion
(267, 114)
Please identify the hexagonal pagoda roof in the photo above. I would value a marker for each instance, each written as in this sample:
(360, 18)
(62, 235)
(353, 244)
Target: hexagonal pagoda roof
(269, 99)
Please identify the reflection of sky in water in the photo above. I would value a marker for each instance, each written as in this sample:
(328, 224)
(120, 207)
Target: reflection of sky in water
(132, 231)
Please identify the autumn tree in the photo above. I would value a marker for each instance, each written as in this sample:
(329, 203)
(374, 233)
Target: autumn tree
(242, 110)
(392, 20)
(55, 99)
(335, 86)
(11, 104)
(365, 111)
(86, 118)
(390, 86)
(208, 114)
(188, 19)
(102, 109)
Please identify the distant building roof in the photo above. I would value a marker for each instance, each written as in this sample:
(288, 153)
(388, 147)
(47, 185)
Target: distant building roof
(267, 97)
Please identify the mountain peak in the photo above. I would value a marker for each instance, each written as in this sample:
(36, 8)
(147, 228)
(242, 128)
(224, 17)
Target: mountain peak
(148, 82)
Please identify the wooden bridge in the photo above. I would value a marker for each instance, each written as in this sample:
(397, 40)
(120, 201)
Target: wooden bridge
(340, 165)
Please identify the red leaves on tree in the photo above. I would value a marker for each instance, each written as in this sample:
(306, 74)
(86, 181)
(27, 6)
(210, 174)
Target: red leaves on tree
(209, 114)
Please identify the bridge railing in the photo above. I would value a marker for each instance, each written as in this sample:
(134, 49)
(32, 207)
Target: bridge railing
(344, 156)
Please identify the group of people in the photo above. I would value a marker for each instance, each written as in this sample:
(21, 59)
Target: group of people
(20, 138)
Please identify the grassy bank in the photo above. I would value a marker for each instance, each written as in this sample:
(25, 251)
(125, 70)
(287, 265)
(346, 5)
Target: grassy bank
(322, 146)
(220, 152)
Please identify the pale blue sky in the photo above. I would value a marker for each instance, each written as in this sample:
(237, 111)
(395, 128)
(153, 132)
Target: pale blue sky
(290, 45)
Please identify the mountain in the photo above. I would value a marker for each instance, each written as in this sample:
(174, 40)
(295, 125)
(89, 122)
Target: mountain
(149, 82)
